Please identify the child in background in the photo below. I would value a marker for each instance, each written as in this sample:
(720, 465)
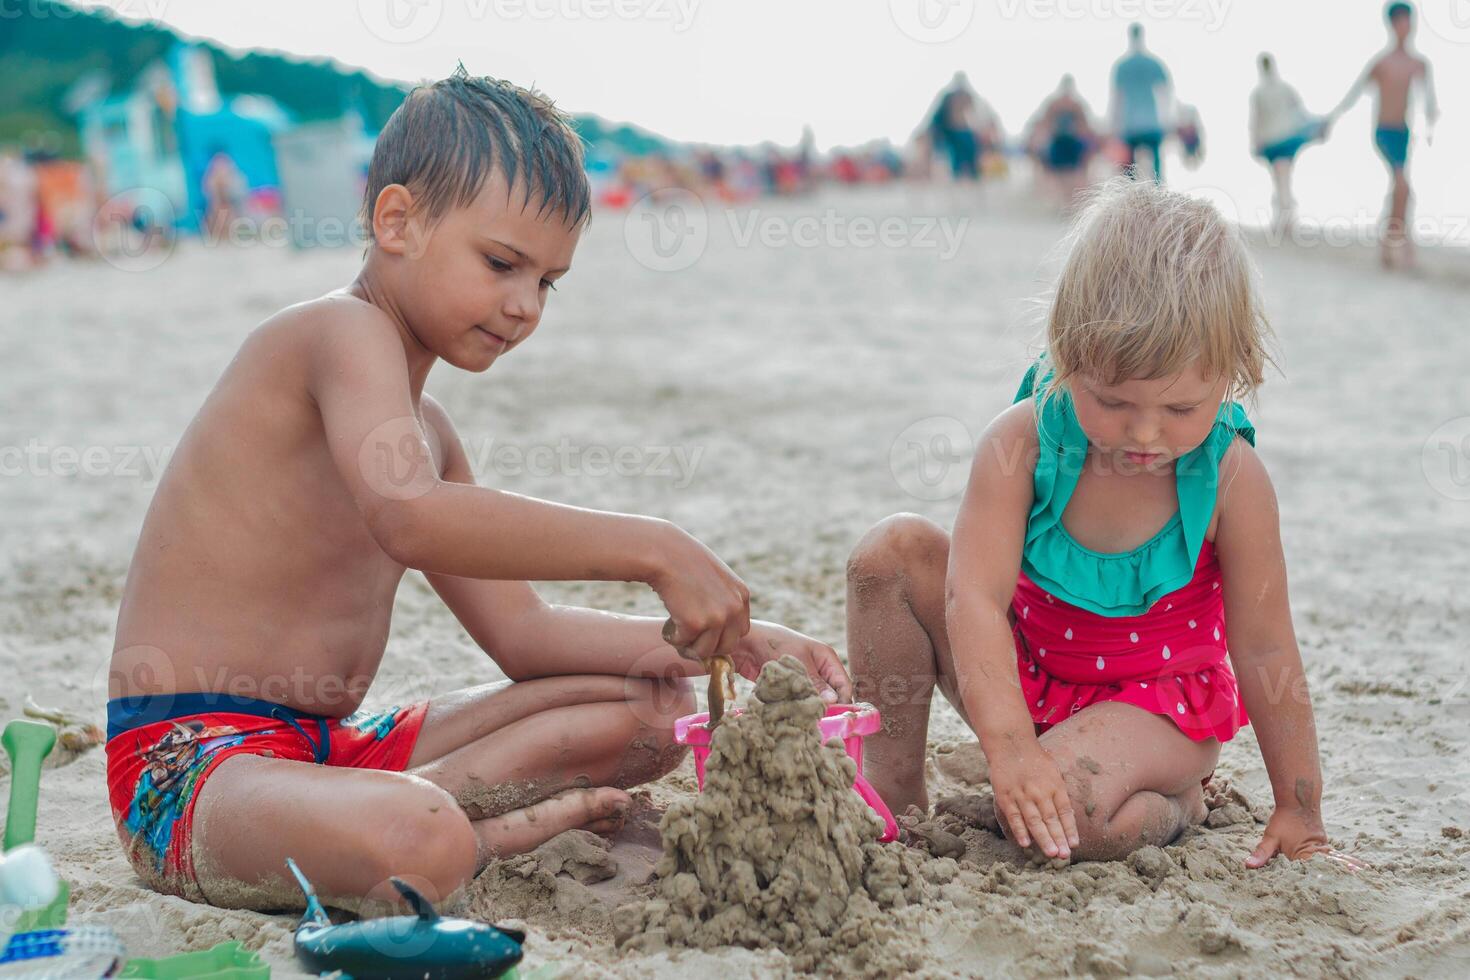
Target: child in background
(257, 605)
(1116, 519)
(1393, 75)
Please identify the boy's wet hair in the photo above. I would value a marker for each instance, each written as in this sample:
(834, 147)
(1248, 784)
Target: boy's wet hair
(1398, 10)
(449, 136)
(1155, 281)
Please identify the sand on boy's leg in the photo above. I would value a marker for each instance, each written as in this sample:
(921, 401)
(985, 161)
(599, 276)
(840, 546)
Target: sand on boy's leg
(530, 759)
(497, 769)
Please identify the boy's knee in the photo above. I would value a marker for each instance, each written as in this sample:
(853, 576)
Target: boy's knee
(427, 841)
(894, 546)
(652, 751)
(659, 702)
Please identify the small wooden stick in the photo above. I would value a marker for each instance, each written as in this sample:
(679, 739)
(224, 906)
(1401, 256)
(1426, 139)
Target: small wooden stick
(721, 687)
(721, 675)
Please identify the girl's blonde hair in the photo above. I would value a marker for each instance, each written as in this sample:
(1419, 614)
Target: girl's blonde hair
(1155, 280)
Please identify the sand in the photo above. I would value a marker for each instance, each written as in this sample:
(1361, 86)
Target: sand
(778, 851)
(788, 373)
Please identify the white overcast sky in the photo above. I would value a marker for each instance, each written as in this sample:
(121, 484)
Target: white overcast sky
(743, 71)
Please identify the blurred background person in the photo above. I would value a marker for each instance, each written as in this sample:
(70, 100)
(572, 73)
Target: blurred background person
(1140, 103)
(1279, 127)
(1062, 140)
(1392, 75)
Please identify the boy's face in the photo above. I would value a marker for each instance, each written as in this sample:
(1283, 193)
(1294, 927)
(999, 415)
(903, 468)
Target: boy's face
(1148, 423)
(480, 276)
(1402, 25)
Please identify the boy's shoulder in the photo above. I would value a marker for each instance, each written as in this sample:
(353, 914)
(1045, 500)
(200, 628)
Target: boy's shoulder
(337, 335)
(335, 318)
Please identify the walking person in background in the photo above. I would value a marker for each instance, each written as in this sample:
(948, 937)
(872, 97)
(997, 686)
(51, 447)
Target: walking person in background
(1280, 127)
(955, 127)
(1140, 101)
(1393, 74)
(1062, 140)
(1190, 132)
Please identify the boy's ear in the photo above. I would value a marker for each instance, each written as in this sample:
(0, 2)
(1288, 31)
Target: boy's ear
(391, 219)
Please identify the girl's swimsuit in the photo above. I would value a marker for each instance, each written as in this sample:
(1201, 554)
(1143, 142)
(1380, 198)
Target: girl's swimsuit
(1147, 626)
(161, 748)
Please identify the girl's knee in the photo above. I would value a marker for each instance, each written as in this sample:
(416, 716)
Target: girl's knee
(897, 545)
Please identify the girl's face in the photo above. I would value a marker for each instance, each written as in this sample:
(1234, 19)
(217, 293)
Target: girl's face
(1148, 423)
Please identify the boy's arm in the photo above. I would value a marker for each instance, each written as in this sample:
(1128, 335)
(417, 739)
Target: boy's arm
(1431, 104)
(1268, 665)
(527, 637)
(1355, 91)
(358, 378)
(984, 566)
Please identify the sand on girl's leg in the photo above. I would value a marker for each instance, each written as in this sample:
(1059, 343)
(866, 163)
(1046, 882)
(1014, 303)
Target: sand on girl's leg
(897, 647)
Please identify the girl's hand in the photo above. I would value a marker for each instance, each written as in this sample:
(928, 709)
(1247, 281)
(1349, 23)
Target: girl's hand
(1298, 835)
(767, 641)
(1031, 798)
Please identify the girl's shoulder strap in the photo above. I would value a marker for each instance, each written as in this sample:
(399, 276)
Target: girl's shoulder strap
(1028, 383)
(1197, 474)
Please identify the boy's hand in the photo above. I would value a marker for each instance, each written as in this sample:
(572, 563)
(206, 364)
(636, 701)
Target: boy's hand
(709, 607)
(767, 641)
(1298, 835)
(1031, 798)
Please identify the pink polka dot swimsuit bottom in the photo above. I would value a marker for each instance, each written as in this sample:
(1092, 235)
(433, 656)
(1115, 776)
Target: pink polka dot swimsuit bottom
(1171, 660)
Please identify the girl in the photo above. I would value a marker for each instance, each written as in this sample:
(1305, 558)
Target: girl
(1116, 518)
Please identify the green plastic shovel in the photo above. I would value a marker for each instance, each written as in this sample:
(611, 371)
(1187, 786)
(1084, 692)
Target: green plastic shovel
(28, 743)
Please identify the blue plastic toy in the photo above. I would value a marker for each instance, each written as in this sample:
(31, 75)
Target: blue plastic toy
(405, 947)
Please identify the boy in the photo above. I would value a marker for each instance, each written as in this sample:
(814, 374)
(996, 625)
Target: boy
(1394, 73)
(256, 608)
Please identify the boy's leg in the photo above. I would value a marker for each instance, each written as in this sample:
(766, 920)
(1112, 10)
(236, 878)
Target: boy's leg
(348, 829)
(1133, 777)
(1397, 237)
(530, 759)
(898, 647)
(539, 757)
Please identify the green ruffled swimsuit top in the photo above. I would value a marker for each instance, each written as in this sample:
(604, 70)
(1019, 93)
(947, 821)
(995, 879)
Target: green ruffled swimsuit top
(1121, 583)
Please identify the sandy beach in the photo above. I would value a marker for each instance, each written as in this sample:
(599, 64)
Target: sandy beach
(777, 396)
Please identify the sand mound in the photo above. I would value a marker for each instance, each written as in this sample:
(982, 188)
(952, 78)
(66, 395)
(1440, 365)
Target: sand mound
(778, 851)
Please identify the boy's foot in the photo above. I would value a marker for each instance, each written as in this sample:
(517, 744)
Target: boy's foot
(600, 810)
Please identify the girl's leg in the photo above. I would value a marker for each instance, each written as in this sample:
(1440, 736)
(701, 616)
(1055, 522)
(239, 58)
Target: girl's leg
(1285, 204)
(898, 648)
(1133, 776)
(530, 759)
